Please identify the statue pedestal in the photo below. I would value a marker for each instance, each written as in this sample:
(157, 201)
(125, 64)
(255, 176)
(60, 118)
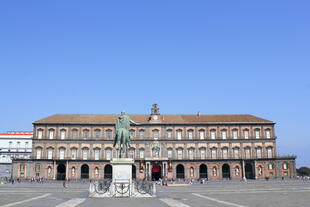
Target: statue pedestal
(122, 176)
(122, 184)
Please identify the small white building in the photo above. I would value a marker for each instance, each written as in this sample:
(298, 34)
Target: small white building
(14, 144)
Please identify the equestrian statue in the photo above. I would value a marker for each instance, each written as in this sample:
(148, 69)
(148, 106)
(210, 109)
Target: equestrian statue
(122, 136)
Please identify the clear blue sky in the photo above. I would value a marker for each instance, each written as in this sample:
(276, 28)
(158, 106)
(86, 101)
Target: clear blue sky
(217, 57)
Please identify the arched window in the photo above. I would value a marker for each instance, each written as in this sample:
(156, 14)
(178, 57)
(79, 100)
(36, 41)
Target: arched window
(225, 153)
(213, 133)
(132, 133)
(257, 133)
(141, 134)
(259, 152)
(213, 153)
(97, 153)
(235, 133)
(190, 133)
(224, 134)
(50, 153)
(202, 153)
(155, 134)
(97, 133)
(169, 133)
(269, 152)
(268, 134)
(38, 153)
(236, 152)
(191, 152)
(40, 133)
(201, 134)
(74, 133)
(62, 153)
(141, 153)
(246, 134)
(51, 133)
(85, 133)
(85, 153)
(179, 134)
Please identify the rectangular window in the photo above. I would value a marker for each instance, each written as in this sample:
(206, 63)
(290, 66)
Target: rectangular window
(37, 168)
(85, 154)
(203, 154)
(73, 153)
(213, 153)
(141, 134)
(97, 154)
(39, 153)
(179, 135)
(40, 134)
(235, 134)
(236, 153)
(51, 134)
(213, 134)
(26, 146)
(246, 134)
(62, 134)
(180, 154)
(108, 154)
(257, 134)
(247, 153)
(269, 152)
(201, 134)
(155, 134)
(190, 134)
(61, 153)
(259, 153)
(169, 153)
(191, 154)
(49, 153)
(142, 153)
(224, 153)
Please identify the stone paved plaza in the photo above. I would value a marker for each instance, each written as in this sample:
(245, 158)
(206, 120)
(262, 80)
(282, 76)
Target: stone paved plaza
(287, 193)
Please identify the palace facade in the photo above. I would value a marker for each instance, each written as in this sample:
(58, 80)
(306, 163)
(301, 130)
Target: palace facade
(77, 146)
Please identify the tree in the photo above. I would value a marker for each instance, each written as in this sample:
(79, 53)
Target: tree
(303, 171)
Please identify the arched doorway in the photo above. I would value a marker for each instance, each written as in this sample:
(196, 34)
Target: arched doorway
(133, 172)
(203, 171)
(226, 171)
(61, 172)
(84, 172)
(180, 171)
(107, 172)
(249, 174)
(156, 171)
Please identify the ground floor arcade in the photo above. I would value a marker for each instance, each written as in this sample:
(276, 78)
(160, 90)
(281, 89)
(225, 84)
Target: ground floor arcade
(156, 169)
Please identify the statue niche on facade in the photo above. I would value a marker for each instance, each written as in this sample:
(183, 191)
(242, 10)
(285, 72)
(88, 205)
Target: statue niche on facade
(122, 136)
